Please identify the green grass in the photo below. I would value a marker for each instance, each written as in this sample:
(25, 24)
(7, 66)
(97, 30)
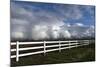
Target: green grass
(78, 54)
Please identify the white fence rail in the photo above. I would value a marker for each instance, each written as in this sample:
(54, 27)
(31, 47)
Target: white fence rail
(59, 44)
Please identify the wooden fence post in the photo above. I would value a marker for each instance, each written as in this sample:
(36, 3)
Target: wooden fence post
(17, 51)
(59, 46)
(44, 48)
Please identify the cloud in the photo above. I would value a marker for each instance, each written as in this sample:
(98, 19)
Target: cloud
(79, 24)
(70, 11)
(34, 22)
(39, 32)
(90, 31)
(17, 34)
(79, 30)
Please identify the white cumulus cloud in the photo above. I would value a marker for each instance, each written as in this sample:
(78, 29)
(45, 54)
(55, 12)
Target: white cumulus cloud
(43, 24)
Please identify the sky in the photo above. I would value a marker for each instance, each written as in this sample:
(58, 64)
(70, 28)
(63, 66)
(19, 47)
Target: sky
(35, 20)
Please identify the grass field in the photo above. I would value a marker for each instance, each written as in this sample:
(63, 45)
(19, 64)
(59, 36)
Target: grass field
(78, 54)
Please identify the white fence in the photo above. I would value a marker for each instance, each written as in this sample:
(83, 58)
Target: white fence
(59, 44)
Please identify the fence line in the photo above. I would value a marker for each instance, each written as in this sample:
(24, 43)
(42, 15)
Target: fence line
(59, 44)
